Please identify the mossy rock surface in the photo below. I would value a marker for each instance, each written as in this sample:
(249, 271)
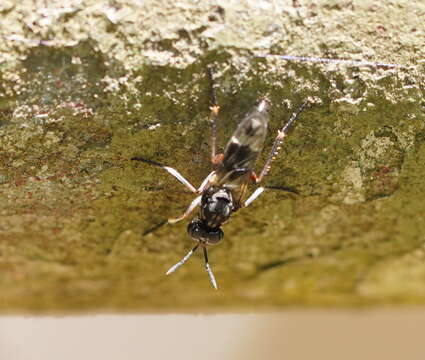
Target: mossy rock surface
(86, 86)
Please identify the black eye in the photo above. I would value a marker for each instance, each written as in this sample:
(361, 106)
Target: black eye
(226, 211)
(195, 229)
(198, 231)
(214, 236)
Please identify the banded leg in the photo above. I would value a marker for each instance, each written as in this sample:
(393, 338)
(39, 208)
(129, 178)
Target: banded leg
(258, 191)
(154, 228)
(205, 185)
(182, 261)
(189, 210)
(207, 265)
(278, 141)
(274, 151)
(208, 268)
(170, 170)
(215, 158)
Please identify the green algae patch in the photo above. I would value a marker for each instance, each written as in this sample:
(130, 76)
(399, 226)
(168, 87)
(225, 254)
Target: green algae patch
(80, 221)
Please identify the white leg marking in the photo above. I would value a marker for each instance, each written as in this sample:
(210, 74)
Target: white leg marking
(179, 177)
(191, 207)
(253, 196)
(182, 261)
(207, 267)
(234, 140)
(205, 183)
(211, 275)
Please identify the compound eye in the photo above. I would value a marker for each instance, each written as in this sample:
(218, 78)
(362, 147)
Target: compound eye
(226, 211)
(215, 236)
(195, 230)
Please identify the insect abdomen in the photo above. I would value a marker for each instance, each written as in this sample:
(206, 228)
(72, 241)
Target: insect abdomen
(248, 139)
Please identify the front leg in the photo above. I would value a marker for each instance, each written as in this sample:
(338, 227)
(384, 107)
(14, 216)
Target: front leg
(216, 159)
(170, 170)
(208, 181)
(189, 210)
(278, 141)
(258, 191)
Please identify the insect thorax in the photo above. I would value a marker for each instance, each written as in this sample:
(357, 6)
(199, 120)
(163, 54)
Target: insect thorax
(216, 206)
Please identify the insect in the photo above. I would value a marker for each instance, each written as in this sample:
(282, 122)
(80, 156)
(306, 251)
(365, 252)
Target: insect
(224, 190)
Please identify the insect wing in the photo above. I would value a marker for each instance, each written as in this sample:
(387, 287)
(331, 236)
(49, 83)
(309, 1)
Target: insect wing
(248, 139)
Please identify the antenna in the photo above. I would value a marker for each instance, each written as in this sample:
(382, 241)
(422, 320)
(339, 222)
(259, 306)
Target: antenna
(328, 60)
(182, 261)
(209, 271)
(207, 265)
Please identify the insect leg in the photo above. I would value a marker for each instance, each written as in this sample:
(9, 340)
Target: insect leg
(154, 228)
(207, 267)
(206, 183)
(170, 170)
(215, 158)
(191, 207)
(182, 261)
(278, 141)
(258, 191)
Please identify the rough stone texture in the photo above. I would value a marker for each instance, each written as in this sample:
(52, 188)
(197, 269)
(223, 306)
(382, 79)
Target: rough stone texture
(85, 85)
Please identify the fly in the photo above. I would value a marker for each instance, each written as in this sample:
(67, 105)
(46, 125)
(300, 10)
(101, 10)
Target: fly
(224, 190)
